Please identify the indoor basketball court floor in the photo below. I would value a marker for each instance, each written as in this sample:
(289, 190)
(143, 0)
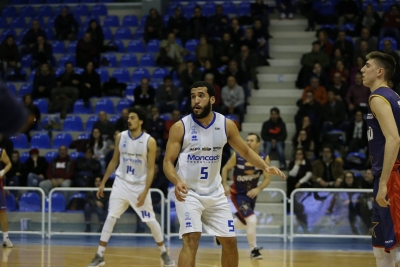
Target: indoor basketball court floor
(77, 251)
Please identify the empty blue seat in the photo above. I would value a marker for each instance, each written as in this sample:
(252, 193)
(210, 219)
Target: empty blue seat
(111, 58)
(107, 33)
(114, 119)
(25, 89)
(3, 23)
(46, 120)
(26, 61)
(123, 33)
(30, 202)
(49, 33)
(105, 105)
(50, 156)
(40, 141)
(103, 74)
(58, 203)
(153, 46)
(53, 1)
(135, 46)
(18, 22)
(391, 39)
(147, 60)
(229, 7)
(24, 156)
(35, 2)
(106, 1)
(208, 9)
(122, 75)
(50, 22)
(22, 34)
(62, 139)
(72, 47)
(42, 105)
(139, 33)
(90, 122)
(189, 9)
(11, 88)
(139, 74)
(84, 136)
(385, 5)
(75, 155)
(123, 103)
(166, 19)
(58, 47)
(159, 74)
(128, 61)
(111, 21)
(17, 2)
(45, 11)
(191, 45)
(9, 12)
(59, 72)
(80, 108)
(20, 141)
(130, 21)
(6, 32)
(119, 44)
(244, 8)
(68, 58)
(81, 10)
(99, 10)
(73, 123)
(81, 196)
(27, 11)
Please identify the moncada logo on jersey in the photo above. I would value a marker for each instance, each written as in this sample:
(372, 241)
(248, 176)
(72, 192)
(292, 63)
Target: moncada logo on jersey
(202, 159)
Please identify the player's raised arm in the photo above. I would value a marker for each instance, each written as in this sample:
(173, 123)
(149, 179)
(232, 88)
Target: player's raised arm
(7, 163)
(237, 143)
(224, 173)
(384, 115)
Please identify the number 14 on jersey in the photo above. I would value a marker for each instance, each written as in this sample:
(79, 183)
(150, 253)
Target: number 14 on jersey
(130, 170)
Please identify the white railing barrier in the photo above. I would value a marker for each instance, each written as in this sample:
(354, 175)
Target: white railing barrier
(319, 190)
(42, 195)
(171, 197)
(91, 189)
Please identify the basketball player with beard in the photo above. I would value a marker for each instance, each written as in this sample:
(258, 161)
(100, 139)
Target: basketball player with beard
(196, 142)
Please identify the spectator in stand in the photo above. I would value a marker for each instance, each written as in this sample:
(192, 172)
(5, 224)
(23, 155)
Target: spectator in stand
(156, 126)
(346, 46)
(327, 170)
(236, 32)
(35, 168)
(177, 24)
(261, 34)
(144, 94)
(171, 53)
(347, 10)
(285, 8)
(226, 50)
(363, 50)
(14, 177)
(312, 129)
(334, 114)
(90, 83)
(338, 55)
(325, 43)
(247, 62)
(233, 70)
(42, 52)
(368, 181)
(105, 126)
(249, 40)
(209, 68)
(369, 19)
(233, 99)
(96, 35)
(66, 26)
(358, 64)
(391, 24)
(97, 205)
(259, 10)
(387, 49)
(305, 142)
(43, 82)
(30, 37)
(356, 134)
(167, 96)
(300, 172)
(316, 55)
(319, 91)
(175, 117)
(188, 76)
(197, 24)
(99, 146)
(366, 36)
(308, 107)
(9, 56)
(217, 22)
(122, 123)
(338, 86)
(274, 134)
(319, 73)
(218, 101)
(357, 95)
(87, 168)
(204, 51)
(339, 68)
(59, 172)
(86, 52)
(153, 26)
(111, 147)
(34, 113)
(323, 12)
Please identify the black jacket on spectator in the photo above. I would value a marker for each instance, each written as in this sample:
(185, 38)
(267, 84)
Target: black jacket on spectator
(227, 49)
(93, 79)
(9, 53)
(347, 48)
(180, 23)
(142, 101)
(107, 128)
(31, 36)
(188, 79)
(48, 82)
(215, 26)
(336, 114)
(66, 79)
(252, 43)
(84, 166)
(64, 25)
(97, 38)
(240, 76)
(8, 145)
(198, 26)
(350, 131)
(236, 37)
(342, 91)
(15, 168)
(274, 130)
(42, 56)
(313, 111)
(156, 128)
(121, 125)
(85, 52)
(40, 168)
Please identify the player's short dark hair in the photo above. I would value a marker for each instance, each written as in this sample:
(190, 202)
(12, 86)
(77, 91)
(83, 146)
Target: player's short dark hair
(386, 61)
(256, 135)
(210, 87)
(275, 109)
(141, 115)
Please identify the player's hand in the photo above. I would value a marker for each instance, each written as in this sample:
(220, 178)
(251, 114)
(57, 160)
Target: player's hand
(276, 171)
(181, 190)
(141, 198)
(253, 193)
(227, 190)
(100, 191)
(381, 197)
(2, 172)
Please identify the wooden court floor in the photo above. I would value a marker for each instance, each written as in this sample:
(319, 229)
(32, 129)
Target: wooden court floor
(55, 256)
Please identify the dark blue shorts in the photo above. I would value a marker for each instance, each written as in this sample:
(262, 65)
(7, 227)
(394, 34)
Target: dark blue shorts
(3, 204)
(244, 206)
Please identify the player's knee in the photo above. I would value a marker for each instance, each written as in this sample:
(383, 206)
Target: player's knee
(251, 220)
(228, 242)
(191, 240)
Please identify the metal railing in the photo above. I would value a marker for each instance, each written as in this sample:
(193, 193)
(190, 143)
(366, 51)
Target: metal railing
(293, 235)
(91, 189)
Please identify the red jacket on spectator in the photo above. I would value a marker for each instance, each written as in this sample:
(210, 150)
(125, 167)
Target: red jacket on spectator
(391, 20)
(319, 94)
(61, 168)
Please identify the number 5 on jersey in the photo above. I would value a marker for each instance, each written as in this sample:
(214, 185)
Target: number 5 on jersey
(130, 170)
(204, 173)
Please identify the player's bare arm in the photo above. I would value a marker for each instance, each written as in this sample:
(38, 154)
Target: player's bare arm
(6, 160)
(224, 173)
(171, 154)
(110, 168)
(237, 143)
(384, 115)
(151, 162)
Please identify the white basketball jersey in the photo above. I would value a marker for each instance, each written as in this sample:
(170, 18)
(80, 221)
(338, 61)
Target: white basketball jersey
(199, 161)
(133, 158)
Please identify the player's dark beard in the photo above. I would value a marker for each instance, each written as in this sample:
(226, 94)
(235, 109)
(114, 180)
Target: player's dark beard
(204, 113)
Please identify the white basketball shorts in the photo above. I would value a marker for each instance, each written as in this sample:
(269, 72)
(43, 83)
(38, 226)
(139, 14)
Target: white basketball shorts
(124, 194)
(211, 211)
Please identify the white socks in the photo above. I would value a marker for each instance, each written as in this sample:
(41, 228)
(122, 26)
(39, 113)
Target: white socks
(106, 233)
(100, 251)
(251, 222)
(5, 236)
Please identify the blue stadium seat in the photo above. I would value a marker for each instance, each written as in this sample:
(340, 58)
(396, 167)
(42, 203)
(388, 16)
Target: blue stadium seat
(191, 45)
(59, 71)
(111, 58)
(18, 23)
(106, 105)
(20, 141)
(114, 119)
(385, 5)
(209, 9)
(62, 139)
(103, 74)
(70, 1)
(81, 10)
(17, 2)
(50, 23)
(122, 75)
(135, 46)
(3, 23)
(130, 21)
(58, 47)
(123, 103)
(24, 156)
(159, 74)
(140, 73)
(11, 88)
(27, 12)
(58, 9)
(77, 196)
(90, 122)
(35, 2)
(49, 33)
(391, 39)
(106, 1)
(350, 27)
(6, 32)
(9, 12)
(111, 21)
(229, 7)
(30, 202)
(153, 46)
(50, 156)
(72, 47)
(46, 119)
(139, 33)
(73, 123)
(22, 35)
(119, 44)
(45, 11)
(366, 3)
(130, 88)
(107, 33)
(10, 202)
(128, 61)
(53, 1)
(42, 105)
(40, 141)
(244, 8)
(90, 1)
(67, 58)
(79, 107)
(148, 60)
(79, 70)
(84, 136)
(123, 33)
(166, 19)
(26, 61)
(58, 203)
(25, 89)
(99, 10)
(189, 9)
(143, 20)
(75, 155)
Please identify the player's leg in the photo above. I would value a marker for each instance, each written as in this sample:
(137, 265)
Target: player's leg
(3, 218)
(383, 259)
